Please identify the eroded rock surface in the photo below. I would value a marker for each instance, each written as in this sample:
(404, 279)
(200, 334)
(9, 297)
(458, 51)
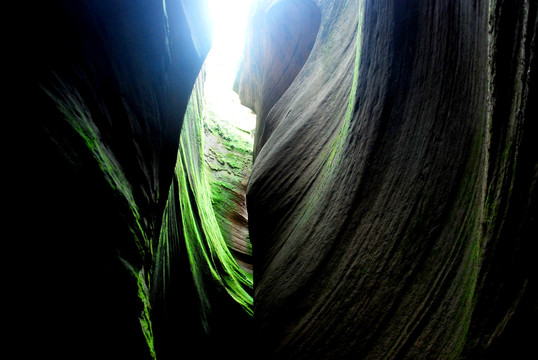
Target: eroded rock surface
(279, 39)
(392, 203)
(228, 138)
(201, 298)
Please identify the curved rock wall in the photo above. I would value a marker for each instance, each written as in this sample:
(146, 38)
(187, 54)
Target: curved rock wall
(228, 155)
(279, 39)
(201, 298)
(392, 200)
(99, 90)
(392, 203)
(507, 300)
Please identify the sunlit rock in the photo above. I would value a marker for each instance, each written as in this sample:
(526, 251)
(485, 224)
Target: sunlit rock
(279, 39)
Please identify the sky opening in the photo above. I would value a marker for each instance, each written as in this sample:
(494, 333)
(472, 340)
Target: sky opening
(229, 19)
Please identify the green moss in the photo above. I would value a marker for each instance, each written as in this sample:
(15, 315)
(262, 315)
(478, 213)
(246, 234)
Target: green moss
(145, 319)
(214, 167)
(70, 103)
(207, 251)
(331, 156)
(72, 106)
(229, 162)
(231, 137)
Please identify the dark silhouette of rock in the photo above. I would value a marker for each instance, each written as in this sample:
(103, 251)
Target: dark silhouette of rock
(99, 91)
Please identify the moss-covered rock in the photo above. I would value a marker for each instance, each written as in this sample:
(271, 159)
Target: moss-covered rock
(228, 156)
(194, 266)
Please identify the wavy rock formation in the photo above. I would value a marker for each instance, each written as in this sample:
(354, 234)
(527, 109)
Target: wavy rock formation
(392, 202)
(229, 168)
(278, 40)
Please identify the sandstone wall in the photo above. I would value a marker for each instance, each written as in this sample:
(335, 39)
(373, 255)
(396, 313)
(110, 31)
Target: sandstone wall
(392, 203)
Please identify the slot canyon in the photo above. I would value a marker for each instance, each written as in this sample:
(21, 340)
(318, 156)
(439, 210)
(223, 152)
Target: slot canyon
(385, 207)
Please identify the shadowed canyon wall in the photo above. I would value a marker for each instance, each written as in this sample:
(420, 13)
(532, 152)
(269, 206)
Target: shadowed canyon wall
(392, 202)
(391, 205)
(122, 257)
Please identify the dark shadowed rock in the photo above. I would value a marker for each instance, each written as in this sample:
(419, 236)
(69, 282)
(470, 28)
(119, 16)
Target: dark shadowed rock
(100, 89)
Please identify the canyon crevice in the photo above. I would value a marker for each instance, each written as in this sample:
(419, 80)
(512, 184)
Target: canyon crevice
(392, 202)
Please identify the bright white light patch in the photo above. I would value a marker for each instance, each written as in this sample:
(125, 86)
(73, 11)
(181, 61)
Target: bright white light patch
(229, 23)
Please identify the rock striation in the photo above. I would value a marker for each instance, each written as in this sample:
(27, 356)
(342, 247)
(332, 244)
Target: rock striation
(392, 202)
(279, 39)
(229, 160)
(228, 128)
(200, 296)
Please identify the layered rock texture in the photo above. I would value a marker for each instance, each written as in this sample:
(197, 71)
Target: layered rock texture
(392, 202)
(279, 39)
(229, 161)
(228, 139)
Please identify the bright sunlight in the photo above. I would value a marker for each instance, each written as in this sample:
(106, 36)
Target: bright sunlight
(229, 20)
